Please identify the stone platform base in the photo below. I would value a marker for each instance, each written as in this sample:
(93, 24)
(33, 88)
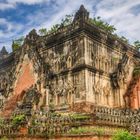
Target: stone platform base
(66, 138)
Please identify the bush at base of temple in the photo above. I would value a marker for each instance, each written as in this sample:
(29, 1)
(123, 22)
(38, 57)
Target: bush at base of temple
(17, 120)
(3, 138)
(86, 130)
(124, 135)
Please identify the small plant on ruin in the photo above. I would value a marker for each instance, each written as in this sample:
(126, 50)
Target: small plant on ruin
(17, 120)
(103, 25)
(80, 116)
(67, 20)
(17, 43)
(64, 22)
(137, 45)
(78, 130)
(1, 122)
(124, 135)
(87, 130)
(124, 39)
(43, 31)
(97, 21)
(136, 72)
(3, 138)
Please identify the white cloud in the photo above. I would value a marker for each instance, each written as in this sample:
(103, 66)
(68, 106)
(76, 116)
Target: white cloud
(4, 6)
(119, 13)
(4, 22)
(65, 7)
(29, 2)
(10, 33)
(116, 12)
(9, 4)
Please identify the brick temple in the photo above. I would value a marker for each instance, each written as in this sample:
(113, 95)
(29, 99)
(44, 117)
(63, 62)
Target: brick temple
(78, 68)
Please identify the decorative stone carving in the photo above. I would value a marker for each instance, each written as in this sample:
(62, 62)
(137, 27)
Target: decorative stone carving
(120, 72)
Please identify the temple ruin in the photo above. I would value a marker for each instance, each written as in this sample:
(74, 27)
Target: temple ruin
(79, 68)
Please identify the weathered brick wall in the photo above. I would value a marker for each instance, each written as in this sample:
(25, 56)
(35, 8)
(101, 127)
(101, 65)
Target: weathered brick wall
(26, 80)
(135, 95)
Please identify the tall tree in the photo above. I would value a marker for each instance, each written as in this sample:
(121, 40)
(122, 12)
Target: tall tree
(43, 31)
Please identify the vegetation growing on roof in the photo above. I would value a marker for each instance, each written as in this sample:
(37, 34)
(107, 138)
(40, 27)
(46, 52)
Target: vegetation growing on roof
(103, 25)
(17, 43)
(136, 71)
(124, 39)
(67, 20)
(17, 120)
(137, 44)
(64, 22)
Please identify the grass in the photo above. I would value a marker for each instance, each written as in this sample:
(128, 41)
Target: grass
(85, 130)
(80, 116)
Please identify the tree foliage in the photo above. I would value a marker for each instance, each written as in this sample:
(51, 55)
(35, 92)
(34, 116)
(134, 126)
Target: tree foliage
(107, 27)
(17, 120)
(43, 31)
(136, 71)
(124, 135)
(1, 122)
(17, 43)
(101, 24)
(64, 22)
(67, 20)
(124, 39)
(137, 44)
(97, 21)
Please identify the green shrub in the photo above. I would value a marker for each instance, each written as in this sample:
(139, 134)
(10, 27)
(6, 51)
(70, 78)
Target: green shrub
(86, 130)
(101, 24)
(1, 122)
(136, 71)
(80, 116)
(124, 135)
(17, 120)
(64, 22)
(3, 138)
(17, 43)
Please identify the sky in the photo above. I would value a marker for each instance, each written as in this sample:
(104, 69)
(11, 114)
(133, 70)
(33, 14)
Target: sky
(18, 17)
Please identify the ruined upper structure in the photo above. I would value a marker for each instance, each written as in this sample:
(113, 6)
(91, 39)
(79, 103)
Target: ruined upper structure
(3, 53)
(79, 63)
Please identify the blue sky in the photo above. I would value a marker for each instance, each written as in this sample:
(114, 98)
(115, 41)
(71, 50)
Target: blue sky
(18, 17)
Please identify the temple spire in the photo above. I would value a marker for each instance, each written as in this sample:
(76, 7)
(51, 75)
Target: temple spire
(82, 14)
(31, 38)
(3, 51)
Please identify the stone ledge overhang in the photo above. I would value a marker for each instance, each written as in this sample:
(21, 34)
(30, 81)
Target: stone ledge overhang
(85, 28)
(78, 68)
(108, 39)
